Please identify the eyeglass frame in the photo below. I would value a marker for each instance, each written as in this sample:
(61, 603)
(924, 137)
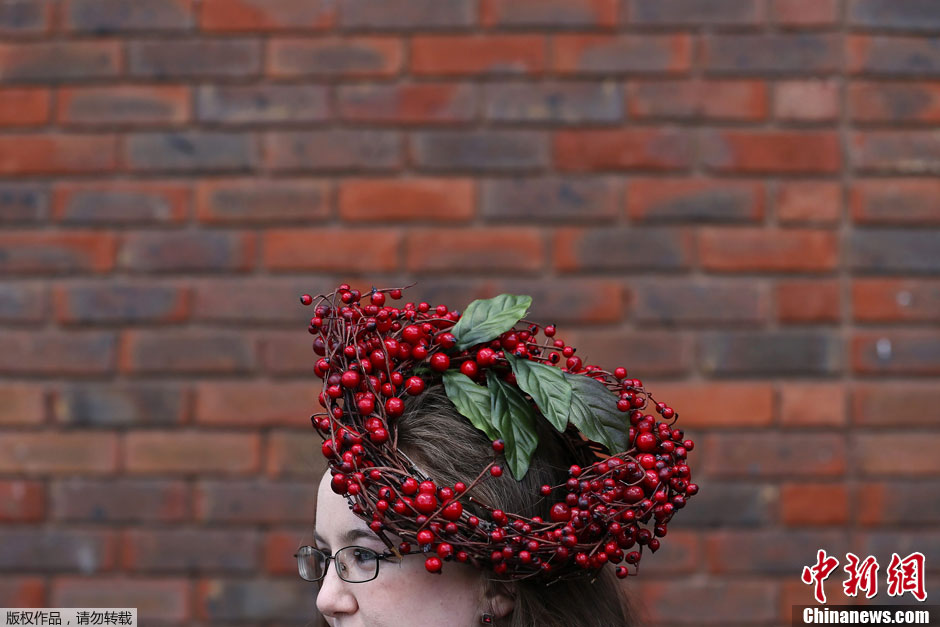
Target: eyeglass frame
(332, 556)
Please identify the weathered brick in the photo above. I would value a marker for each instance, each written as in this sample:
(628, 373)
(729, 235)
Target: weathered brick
(121, 202)
(769, 551)
(239, 104)
(906, 351)
(763, 151)
(120, 500)
(22, 501)
(895, 56)
(190, 58)
(474, 250)
(753, 504)
(107, 106)
(878, 404)
(770, 352)
(188, 151)
(22, 404)
(77, 354)
(23, 202)
(57, 550)
(187, 351)
(57, 154)
(408, 14)
(549, 14)
(694, 12)
(480, 150)
(622, 248)
(621, 54)
(629, 149)
(120, 303)
(895, 201)
(728, 601)
(578, 300)
(470, 55)
(36, 453)
(189, 550)
(555, 102)
(256, 501)
(770, 250)
(667, 301)
(680, 554)
(894, 102)
(255, 404)
(553, 199)
(902, 152)
(254, 599)
(883, 454)
(417, 103)
(105, 17)
(155, 599)
(896, 300)
(279, 547)
(807, 100)
(292, 453)
(808, 301)
(24, 106)
(267, 15)
(894, 250)
(23, 303)
(188, 251)
(814, 504)
(120, 404)
(886, 15)
(169, 452)
(349, 57)
(258, 301)
(694, 200)
(22, 591)
(808, 202)
(698, 99)
(405, 200)
(332, 250)
(333, 149)
(805, 13)
(806, 404)
(911, 502)
(25, 18)
(717, 405)
(644, 354)
(883, 543)
(44, 61)
(785, 455)
(262, 201)
(774, 53)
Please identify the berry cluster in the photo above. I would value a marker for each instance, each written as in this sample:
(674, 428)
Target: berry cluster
(372, 355)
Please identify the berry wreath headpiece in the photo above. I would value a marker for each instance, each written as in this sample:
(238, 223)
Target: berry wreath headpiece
(629, 474)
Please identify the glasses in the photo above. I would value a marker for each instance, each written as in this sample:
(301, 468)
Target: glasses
(354, 564)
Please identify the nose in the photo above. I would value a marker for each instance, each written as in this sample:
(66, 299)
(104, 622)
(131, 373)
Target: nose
(335, 597)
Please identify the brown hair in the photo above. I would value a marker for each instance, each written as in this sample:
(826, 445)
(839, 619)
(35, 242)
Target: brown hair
(447, 447)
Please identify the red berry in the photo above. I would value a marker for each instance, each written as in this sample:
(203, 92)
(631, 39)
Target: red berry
(409, 485)
(545, 490)
(440, 362)
(379, 436)
(394, 407)
(433, 564)
(646, 442)
(622, 572)
(446, 340)
(411, 334)
(499, 445)
(560, 513)
(620, 372)
(425, 536)
(378, 299)
(426, 503)
(306, 299)
(468, 368)
(350, 379)
(445, 550)
(453, 511)
(496, 471)
(338, 483)
(414, 385)
(460, 487)
(395, 294)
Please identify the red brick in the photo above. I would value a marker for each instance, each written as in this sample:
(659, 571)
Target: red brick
(549, 14)
(408, 14)
(22, 501)
(880, 404)
(20, 591)
(332, 250)
(292, 453)
(351, 57)
(698, 99)
(679, 554)
(22, 404)
(55, 550)
(621, 54)
(24, 106)
(75, 354)
(814, 504)
(255, 404)
(769, 551)
(712, 602)
(105, 17)
(883, 454)
(895, 201)
(902, 152)
(894, 102)
(694, 200)
(410, 199)
(896, 300)
(266, 15)
(107, 106)
(256, 301)
(643, 353)
(333, 150)
(260, 201)
(120, 500)
(471, 55)
(898, 503)
(189, 550)
(186, 351)
(486, 150)
(794, 592)
(419, 103)
(760, 151)
(155, 599)
(279, 546)
(552, 199)
(807, 100)
(44, 61)
(57, 154)
(717, 405)
(630, 149)
(805, 13)
(808, 202)
(188, 251)
(773, 455)
(194, 58)
(39, 252)
(191, 452)
(604, 248)
(121, 202)
(670, 301)
(772, 53)
(908, 351)
(812, 404)
(42, 453)
(264, 502)
(474, 249)
(894, 56)
(757, 249)
(808, 301)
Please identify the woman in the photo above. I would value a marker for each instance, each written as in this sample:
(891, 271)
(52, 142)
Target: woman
(417, 446)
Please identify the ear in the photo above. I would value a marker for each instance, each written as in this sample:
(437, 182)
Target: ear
(500, 596)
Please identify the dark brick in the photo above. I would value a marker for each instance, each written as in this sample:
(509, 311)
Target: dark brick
(902, 152)
(122, 404)
(281, 354)
(643, 354)
(408, 14)
(256, 501)
(199, 453)
(295, 454)
(255, 201)
(22, 18)
(23, 202)
(791, 53)
(23, 303)
(190, 550)
(158, 600)
(332, 56)
(882, 544)
(894, 250)
(330, 150)
(685, 98)
(694, 200)
(120, 500)
(120, 303)
(59, 61)
(785, 455)
(894, 14)
(78, 354)
(893, 56)
(901, 352)
(624, 54)
(878, 405)
(621, 248)
(769, 552)
(194, 58)
(684, 301)
(694, 12)
(556, 102)
(414, 103)
(876, 454)
(121, 202)
(58, 453)
(567, 301)
(256, 301)
(191, 151)
(239, 104)
(56, 550)
(770, 352)
(39, 252)
(549, 14)
(906, 503)
(104, 17)
(553, 199)
(753, 504)
(255, 599)
(746, 601)
(108, 106)
(480, 151)
(885, 101)
(192, 351)
(189, 251)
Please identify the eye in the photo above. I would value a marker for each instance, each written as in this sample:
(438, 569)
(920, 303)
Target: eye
(364, 556)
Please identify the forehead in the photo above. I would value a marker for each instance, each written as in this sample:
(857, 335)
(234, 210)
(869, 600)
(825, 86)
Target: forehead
(333, 518)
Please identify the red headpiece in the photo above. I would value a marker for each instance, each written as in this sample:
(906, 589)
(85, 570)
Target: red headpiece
(629, 472)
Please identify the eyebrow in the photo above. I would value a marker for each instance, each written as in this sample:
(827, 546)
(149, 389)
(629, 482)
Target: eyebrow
(348, 537)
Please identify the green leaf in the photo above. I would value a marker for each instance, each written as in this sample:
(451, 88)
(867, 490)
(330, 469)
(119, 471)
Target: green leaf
(471, 400)
(515, 420)
(594, 411)
(487, 319)
(547, 386)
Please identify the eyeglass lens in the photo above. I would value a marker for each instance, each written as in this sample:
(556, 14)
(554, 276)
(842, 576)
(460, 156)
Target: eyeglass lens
(353, 564)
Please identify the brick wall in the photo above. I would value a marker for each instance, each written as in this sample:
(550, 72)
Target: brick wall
(736, 199)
